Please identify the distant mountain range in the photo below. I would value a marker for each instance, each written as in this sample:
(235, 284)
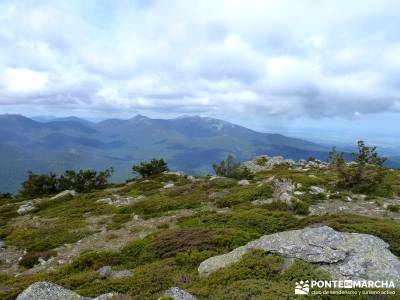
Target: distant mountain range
(189, 143)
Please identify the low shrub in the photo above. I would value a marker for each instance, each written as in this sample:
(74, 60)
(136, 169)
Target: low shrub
(242, 195)
(393, 208)
(171, 242)
(300, 208)
(30, 259)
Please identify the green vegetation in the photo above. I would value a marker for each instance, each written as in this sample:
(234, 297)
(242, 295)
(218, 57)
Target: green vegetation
(82, 181)
(393, 208)
(163, 237)
(366, 175)
(154, 167)
(231, 168)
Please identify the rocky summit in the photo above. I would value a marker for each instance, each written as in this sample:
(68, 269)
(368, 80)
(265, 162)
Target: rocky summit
(250, 233)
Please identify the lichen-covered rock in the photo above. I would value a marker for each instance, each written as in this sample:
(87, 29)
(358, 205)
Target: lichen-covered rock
(177, 173)
(44, 290)
(282, 190)
(179, 294)
(262, 201)
(65, 195)
(344, 255)
(117, 200)
(265, 163)
(107, 272)
(169, 185)
(48, 291)
(26, 208)
(243, 182)
(317, 190)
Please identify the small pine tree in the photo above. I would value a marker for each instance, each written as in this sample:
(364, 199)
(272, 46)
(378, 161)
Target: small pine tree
(231, 168)
(154, 167)
(367, 173)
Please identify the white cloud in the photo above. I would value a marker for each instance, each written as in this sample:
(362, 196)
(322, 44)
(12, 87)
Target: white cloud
(328, 58)
(23, 81)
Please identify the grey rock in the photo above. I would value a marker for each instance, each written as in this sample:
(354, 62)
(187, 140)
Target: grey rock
(44, 290)
(65, 195)
(243, 182)
(262, 201)
(107, 272)
(118, 200)
(105, 201)
(179, 294)
(267, 163)
(177, 173)
(26, 208)
(283, 186)
(283, 189)
(121, 274)
(317, 190)
(105, 296)
(344, 255)
(48, 291)
(169, 185)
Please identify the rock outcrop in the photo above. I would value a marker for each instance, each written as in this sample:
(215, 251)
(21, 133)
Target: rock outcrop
(179, 294)
(317, 190)
(26, 208)
(243, 182)
(117, 200)
(107, 272)
(44, 290)
(344, 255)
(283, 190)
(265, 163)
(65, 195)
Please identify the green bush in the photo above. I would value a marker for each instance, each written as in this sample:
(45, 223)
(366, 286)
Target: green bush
(365, 176)
(82, 181)
(300, 208)
(232, 169)
(191, 258)
(32, 258)
(169, 243)
(5, 196)
(155, 166)
(393, 208)
(94, 260)
(242, 195)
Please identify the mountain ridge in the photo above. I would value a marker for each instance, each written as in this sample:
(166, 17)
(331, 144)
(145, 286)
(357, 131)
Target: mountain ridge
(188, 143)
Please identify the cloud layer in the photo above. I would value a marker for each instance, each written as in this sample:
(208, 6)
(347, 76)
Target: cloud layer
(222, 58)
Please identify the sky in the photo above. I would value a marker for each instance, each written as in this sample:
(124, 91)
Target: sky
(321, 69)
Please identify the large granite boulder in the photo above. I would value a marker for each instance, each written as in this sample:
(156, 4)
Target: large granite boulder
(43, 290)
(344, 255)
(179, 294)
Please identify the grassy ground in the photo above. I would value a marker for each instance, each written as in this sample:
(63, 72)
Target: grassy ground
(220, 218)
